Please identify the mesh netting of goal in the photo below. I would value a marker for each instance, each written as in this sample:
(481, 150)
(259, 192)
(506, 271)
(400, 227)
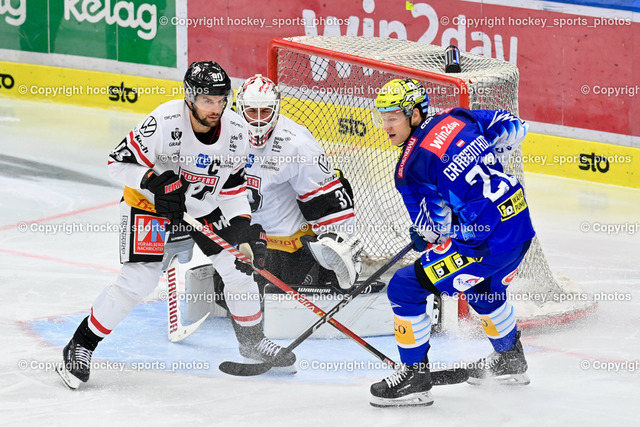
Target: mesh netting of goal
(329, 84)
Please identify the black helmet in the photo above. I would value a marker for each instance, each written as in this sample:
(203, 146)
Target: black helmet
(205, 78)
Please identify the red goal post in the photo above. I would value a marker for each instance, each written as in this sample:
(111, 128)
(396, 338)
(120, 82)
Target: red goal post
(277, 44)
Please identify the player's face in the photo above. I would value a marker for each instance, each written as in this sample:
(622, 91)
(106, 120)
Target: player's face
(397, 126)
(209, 108)
(258, 116)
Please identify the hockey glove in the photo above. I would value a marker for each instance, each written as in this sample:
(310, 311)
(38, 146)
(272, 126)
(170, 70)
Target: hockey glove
(338, 253)
(418, 239)
(168, 189)
(252, 242)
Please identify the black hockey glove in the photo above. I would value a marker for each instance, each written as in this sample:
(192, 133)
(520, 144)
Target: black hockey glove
(252, 242)
(168, 189)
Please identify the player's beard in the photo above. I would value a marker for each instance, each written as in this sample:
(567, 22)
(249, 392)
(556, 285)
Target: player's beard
(210, 120)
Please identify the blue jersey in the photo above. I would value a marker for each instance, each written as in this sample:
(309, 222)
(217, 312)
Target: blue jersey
(454, 187)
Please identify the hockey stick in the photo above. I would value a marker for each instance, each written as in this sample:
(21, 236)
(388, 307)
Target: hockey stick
(177, 331)
(451, 376)
(248, 369)
(286, 288)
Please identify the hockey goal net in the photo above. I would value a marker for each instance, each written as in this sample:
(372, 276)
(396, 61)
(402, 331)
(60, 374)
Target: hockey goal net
(329, 85)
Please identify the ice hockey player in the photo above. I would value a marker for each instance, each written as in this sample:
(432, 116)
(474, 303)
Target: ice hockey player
(472, 220)
(185, 156)
(296, 195)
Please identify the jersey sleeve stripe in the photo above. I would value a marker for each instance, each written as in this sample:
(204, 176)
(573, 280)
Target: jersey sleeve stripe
(233, 192)
(318, 190)
(134, 144)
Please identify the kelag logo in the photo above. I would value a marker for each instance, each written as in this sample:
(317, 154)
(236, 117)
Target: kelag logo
(121, 93)
(14, 15)
(6, 81)
(123, 14)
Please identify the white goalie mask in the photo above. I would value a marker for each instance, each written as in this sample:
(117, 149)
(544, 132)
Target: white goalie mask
(258, 102)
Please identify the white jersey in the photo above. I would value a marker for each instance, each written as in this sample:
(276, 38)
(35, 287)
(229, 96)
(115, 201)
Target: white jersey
(293, 188)
(165, 140)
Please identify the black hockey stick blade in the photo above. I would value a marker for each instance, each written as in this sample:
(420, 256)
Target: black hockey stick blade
(441, 377)
(449, 376)
(244, 369)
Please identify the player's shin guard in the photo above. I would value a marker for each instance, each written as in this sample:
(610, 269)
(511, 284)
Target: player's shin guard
(412, 336)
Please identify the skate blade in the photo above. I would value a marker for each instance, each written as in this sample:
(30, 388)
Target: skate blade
(69, 379)
(508, 380)
(414, 399)
(288, 370)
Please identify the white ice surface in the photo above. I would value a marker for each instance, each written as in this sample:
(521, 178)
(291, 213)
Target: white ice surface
(50, 280)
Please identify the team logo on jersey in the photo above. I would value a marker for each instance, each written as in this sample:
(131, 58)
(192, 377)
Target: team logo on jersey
(176, 134)
(202, 161)
(148, 127)
(150, 233)
(440, 137)
(200, 185)
(250, 160)
(254, 195)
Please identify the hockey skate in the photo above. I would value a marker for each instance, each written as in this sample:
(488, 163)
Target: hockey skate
(76, 365)
(255, 347)
(408, 386)
(508, 368)
(268, 351)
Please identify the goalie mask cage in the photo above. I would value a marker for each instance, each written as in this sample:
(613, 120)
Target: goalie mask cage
(329, 84)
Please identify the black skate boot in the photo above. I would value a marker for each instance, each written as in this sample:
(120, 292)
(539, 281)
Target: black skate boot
(408, 386)
(507, 368)
(76, 364)
(76, 356)
(255, 346)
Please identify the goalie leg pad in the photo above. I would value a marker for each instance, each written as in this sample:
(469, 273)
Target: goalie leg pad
(336, 252)
(201, 296)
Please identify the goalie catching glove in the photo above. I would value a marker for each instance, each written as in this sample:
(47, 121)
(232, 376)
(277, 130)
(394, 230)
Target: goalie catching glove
(336, 252)
(252, 242)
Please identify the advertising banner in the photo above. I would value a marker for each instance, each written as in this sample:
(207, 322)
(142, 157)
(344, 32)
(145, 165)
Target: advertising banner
(134, 31)
(578, 64)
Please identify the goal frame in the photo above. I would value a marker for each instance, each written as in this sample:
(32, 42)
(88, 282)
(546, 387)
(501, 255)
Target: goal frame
(272, 66)
(461, 95)
(462, 88)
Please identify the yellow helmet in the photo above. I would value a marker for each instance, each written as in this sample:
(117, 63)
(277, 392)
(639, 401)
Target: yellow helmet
(401, 94)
